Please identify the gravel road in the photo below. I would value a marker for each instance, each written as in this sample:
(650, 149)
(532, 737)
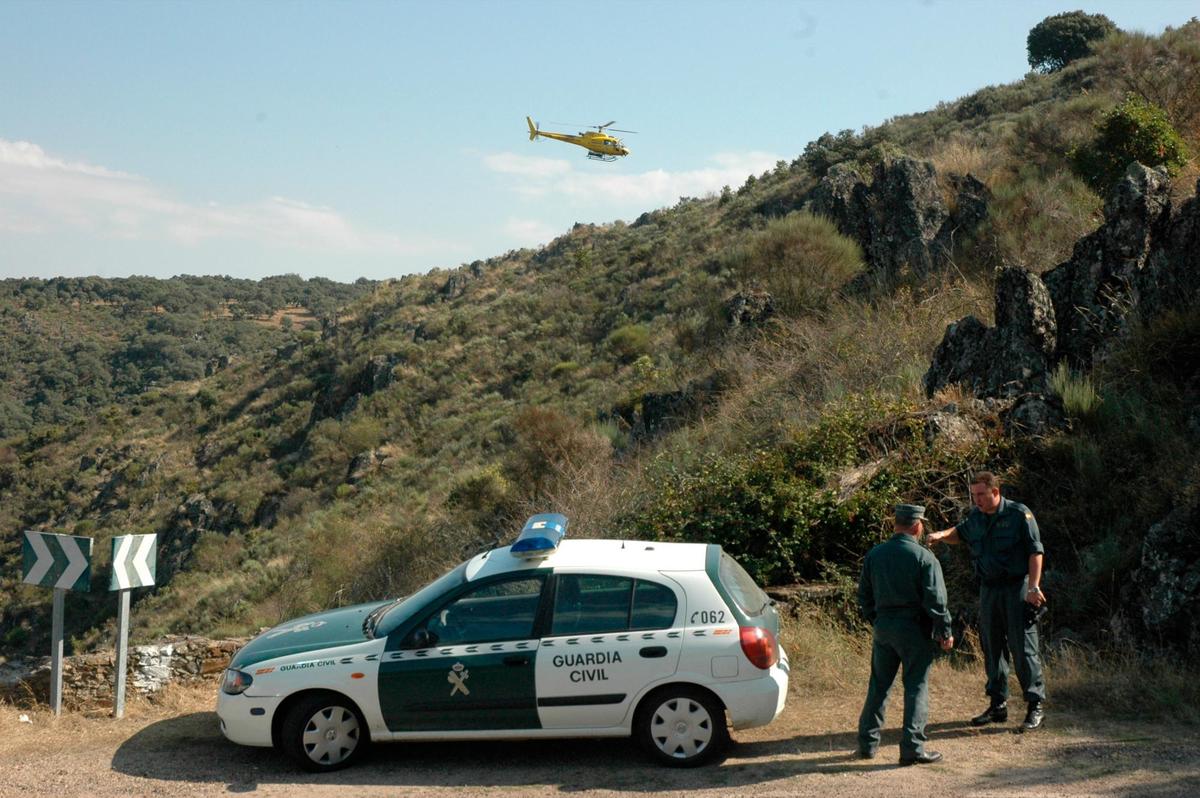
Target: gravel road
(173, 748)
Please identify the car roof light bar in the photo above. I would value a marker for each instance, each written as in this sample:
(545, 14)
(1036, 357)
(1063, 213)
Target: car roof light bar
(541, 535)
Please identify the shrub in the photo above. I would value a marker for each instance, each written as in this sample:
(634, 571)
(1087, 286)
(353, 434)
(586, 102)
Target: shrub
(629, 342)
(1135, 130)
(1078, 395)
(1060, 39)
(801, 259)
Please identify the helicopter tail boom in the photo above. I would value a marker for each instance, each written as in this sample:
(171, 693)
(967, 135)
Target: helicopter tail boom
(533, 131)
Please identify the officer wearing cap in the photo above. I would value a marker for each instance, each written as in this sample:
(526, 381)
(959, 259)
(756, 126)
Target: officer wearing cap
(902, 593)
(1006, 549)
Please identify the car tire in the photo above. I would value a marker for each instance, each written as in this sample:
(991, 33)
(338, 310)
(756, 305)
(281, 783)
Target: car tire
(682, 727)
(323, 733)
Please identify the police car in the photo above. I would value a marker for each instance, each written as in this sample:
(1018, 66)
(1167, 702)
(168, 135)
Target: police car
(544, 638)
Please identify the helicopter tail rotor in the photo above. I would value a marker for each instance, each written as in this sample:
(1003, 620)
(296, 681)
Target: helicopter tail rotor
(533, 129)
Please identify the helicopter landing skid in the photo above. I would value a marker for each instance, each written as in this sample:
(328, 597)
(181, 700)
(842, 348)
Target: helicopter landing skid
(599, 156)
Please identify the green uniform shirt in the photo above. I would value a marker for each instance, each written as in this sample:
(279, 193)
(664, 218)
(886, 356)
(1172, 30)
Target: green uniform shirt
(1002, 542)
(902, 578)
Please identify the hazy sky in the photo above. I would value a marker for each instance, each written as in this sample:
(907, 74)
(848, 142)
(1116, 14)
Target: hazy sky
(373, 139)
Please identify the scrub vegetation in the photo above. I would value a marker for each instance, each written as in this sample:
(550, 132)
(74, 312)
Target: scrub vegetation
(392, 429)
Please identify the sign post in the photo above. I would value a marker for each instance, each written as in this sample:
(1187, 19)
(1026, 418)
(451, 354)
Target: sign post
(134, 560)
(63, 562)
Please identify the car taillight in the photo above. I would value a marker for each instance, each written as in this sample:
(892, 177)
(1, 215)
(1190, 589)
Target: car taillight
(759, 646)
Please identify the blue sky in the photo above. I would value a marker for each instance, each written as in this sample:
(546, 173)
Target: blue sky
(372, 139)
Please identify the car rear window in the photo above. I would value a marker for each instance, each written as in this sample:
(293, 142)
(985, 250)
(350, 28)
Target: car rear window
(749, 596)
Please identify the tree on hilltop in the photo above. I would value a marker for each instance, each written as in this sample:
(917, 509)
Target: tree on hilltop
(1060, 39)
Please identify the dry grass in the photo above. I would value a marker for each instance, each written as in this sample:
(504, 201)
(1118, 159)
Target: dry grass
(96, 724)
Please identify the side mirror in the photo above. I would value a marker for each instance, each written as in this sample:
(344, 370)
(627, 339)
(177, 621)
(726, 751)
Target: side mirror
(421, 638)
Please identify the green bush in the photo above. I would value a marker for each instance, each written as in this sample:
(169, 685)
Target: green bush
(1135, 130)
(629, 342)
(801, 259)
(1060, 39)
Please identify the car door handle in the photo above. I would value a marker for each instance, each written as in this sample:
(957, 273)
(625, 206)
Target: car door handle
(517, 660)
(653, 652)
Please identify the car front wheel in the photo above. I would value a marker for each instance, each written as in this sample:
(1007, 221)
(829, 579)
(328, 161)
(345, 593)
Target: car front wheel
(323, 732)
(682, 727)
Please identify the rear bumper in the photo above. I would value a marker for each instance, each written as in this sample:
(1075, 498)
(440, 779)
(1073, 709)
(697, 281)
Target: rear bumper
(246, 720)
(756, 702)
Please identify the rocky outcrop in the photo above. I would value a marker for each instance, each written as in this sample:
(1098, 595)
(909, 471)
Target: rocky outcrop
(1144, 260)
(1099, 289)
(899, 218)
(1007, 360)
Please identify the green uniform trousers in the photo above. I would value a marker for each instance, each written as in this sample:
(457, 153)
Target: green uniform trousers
(1002, 628)
(898, 640)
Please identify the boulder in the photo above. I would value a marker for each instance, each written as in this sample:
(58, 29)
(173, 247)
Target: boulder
(749, 308)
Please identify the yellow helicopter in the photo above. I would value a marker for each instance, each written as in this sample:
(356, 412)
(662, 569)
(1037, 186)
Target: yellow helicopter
(600, 145)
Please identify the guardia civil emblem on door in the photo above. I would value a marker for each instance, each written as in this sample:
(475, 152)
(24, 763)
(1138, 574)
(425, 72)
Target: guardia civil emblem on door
(457, 677)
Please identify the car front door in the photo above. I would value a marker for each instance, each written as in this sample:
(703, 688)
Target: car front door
(467, 664)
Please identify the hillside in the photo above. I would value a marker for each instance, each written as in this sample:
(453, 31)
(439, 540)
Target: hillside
(748, 368)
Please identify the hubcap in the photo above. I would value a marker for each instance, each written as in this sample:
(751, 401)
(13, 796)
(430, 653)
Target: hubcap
(330, 735)
(681, 728)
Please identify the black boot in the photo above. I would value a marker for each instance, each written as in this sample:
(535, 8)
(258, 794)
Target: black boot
(1033, 717)
(996, 713)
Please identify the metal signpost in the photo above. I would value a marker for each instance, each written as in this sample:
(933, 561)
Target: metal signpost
(63, 562)
(134, 560)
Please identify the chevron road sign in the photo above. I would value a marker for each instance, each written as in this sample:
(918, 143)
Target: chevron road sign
(133, 565)
(133, 561)
(60, 561)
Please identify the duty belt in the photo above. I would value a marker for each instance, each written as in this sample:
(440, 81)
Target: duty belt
(1004, 581)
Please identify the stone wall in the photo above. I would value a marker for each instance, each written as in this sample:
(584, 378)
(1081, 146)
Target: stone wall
(88, 679)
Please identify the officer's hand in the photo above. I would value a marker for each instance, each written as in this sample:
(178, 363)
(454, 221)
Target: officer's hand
(1035, 596)
(948, 643)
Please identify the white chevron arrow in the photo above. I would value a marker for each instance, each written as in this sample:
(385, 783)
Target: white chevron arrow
(119, 557)
(141, 560)
(77, 562)
(45, 560)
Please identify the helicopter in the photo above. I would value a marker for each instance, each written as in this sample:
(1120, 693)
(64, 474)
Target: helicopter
(600, 145)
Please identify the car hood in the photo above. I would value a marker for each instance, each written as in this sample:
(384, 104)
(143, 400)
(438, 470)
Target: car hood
(339, 627)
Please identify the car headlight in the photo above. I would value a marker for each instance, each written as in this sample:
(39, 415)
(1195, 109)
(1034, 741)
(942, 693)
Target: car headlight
(236, 682)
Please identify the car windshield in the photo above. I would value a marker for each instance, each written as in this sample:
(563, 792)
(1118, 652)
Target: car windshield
(383, 620)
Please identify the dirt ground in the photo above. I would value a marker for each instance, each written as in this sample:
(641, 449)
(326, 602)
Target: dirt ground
(172, 747)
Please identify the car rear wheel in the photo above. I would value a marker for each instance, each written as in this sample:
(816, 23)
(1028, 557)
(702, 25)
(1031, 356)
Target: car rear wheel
(682, 727)
(323, 732)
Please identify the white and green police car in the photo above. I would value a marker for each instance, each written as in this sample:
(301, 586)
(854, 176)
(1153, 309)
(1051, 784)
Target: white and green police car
(543, 638)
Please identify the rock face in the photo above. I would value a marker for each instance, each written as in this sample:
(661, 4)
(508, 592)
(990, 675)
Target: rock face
(1098, 289)
(899, 219)
(1143, 260)
(1007, 360)
(1168, 582)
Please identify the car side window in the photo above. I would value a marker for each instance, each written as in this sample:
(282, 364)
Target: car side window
(494, 612)
(595, 604)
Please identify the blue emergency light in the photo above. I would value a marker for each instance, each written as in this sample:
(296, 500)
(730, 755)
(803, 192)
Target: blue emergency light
(541, 535)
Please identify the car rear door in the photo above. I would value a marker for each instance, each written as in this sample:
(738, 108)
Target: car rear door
(609, 636)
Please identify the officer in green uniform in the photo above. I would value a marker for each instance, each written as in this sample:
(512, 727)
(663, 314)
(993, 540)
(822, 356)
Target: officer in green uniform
(903, 595)
(1006, 549)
